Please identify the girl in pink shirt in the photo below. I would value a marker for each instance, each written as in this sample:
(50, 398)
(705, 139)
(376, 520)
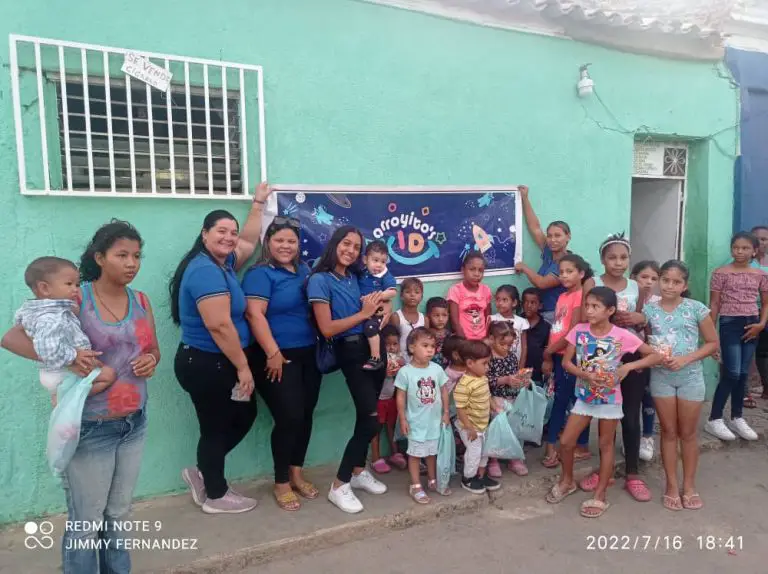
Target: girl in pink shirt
(470, 300)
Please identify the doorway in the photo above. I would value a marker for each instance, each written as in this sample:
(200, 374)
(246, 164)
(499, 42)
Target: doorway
(656, 224)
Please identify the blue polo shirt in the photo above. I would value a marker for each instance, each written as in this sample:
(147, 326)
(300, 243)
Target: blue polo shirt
(370, 283)
(342, 293)
(202, 279)
(287, 305)
(549, 267)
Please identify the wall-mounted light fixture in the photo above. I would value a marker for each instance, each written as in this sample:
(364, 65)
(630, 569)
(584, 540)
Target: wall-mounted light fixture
(586, 84)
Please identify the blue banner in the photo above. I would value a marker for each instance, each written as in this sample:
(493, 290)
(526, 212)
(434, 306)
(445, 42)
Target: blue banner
(427, 231)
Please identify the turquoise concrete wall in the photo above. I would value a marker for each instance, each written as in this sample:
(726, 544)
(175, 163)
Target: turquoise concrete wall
(356, 94)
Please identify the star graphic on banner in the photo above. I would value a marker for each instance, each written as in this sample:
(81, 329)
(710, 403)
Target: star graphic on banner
(440, 238)
(305, 253)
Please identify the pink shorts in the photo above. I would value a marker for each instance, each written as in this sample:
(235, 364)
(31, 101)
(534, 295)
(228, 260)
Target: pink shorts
(387, 411)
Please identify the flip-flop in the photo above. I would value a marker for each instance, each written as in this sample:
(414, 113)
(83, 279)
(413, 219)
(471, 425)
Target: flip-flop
(306, 489)
(749, 402)
(593, 503)
(581, 455)
(551, 461)
(556, 495)
(288, 501)
(692, 501)
(417, 493)
(589, 483)
(637, 489)
(671, 503)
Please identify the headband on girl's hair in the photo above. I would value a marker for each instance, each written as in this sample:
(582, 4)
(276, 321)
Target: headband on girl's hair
(616, 239)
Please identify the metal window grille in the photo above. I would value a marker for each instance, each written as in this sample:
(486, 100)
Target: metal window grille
(84, 128)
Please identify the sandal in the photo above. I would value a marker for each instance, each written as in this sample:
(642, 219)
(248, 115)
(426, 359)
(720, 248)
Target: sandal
(593, 508)
(551, 460)
(749, 402)
(589, 483)
(381, 467)
(557, 495)
(288, 501)
(417, 493)
(581, 455)
(432, 485)
(637, 489)
(398, 461)
(307, 490)
(671, 502)
(692, 501)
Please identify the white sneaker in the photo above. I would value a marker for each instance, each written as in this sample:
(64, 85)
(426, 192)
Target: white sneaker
(741, 428)
(366, 481)
(718, 429)
(345, 499)
(646, 449)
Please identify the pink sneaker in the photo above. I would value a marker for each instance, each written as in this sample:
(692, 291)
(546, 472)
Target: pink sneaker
(381, 466)
(230, 503)
(194, 481)
(494, 469)
(518, 467)
(398, 461)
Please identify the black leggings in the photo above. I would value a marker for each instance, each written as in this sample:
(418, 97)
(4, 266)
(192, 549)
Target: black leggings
(632, 391)
(292, 403)
(364, 388)
(761, 358)
(209, 379)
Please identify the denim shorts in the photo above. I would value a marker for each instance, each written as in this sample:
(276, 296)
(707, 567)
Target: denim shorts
(597, 411)
(687, 390)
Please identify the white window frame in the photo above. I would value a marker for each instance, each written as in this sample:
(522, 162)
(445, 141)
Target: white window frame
(105, 51)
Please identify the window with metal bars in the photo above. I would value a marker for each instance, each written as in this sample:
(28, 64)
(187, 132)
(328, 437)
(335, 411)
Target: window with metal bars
(130, 128)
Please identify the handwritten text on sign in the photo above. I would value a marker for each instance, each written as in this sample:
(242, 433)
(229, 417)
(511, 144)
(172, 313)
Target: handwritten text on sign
(142, 69)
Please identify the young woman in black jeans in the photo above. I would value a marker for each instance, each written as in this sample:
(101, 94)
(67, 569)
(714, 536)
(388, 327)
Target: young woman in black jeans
(340, 312)
(283, 365)
(211, 362)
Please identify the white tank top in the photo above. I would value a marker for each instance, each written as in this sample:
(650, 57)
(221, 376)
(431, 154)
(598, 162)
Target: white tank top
(405, 329)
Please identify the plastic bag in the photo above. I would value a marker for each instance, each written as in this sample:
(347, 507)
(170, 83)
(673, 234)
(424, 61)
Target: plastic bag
(64, 425)
(446, 457)
(501, 442)
(526, 417)
(548, 389)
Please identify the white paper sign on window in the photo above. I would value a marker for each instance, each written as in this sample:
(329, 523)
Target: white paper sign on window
(142, 69)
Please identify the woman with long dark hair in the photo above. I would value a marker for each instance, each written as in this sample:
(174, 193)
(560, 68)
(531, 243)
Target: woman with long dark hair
(340, 312)
(554, 246)
(284, 365)
(100, 478)
(211, 362)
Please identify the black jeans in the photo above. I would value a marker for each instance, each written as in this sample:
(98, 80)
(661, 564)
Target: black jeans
(364, 388)
(292, 403)
(209, 379)
(761, 358)
(632, 391)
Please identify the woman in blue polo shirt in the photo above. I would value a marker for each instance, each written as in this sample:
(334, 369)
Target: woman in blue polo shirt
(553, 245)
(211, 362)
(283, 365)
(340, 312)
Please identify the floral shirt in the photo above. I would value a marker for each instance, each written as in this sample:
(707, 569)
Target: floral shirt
(739, 291)
(502, 367)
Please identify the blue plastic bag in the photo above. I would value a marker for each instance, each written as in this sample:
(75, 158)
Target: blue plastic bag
(501, 442)
(446, 458)
(526, 417)
(64, 425)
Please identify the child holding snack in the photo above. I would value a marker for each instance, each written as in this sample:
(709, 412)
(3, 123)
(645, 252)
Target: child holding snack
(507, 304)
(676, 324)
(472, 396)
(505, 380)
(422, 404)
(50, 320)
(387, 406)
(470, 300)
(598, 347)
(437, 321)
(537, 334)
(373, 279)
(408, 317)
(574, 273)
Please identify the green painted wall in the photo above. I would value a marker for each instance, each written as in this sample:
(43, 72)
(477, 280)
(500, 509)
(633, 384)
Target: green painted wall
(356, 94)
